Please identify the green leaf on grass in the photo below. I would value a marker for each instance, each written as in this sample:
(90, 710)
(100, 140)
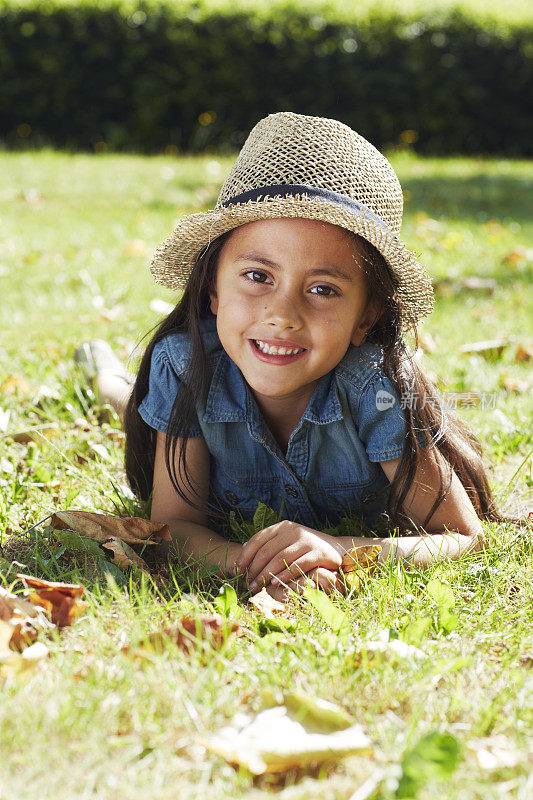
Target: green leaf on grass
(414, 632)
(264, 517)
(434, 757)
(106, 568)
(441, 593)
(279, 625)
(330, 613)
(318, 714)
(73, 541)
(448, 622)
(444, 597)
(226, 600)
(242, 530)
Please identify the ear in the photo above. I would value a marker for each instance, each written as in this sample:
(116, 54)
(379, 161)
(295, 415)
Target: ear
(368, 321)
(214, 300)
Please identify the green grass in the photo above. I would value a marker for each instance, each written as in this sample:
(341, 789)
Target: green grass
(93, 722)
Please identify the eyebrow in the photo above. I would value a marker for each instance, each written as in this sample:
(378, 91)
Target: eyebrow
(332, 271)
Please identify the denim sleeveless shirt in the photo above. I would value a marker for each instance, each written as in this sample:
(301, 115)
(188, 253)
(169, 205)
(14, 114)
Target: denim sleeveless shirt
(331, 468)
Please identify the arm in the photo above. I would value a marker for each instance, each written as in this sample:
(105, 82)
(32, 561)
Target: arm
(188, 526)
(454, 528)
(288, 550)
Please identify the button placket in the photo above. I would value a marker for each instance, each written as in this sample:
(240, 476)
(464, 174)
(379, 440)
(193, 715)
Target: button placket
(303, 496)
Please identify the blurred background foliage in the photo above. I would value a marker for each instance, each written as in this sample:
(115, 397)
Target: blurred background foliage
(171, 75)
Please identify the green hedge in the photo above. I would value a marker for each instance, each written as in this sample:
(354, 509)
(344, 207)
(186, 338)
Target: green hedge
(441, 76)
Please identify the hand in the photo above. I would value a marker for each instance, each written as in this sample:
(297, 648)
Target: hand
(229, 558)
(320, 578)
(285, 551)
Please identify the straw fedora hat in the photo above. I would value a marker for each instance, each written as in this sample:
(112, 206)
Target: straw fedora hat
(314, 168)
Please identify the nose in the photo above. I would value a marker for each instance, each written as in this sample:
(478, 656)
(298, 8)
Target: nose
(283, 312)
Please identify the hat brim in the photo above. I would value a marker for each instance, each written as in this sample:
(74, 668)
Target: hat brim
(175, 257)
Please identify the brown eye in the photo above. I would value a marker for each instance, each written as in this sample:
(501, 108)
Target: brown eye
(324, 291)
(257, 276)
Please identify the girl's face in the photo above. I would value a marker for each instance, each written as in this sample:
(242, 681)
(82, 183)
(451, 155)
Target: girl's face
(294, 284)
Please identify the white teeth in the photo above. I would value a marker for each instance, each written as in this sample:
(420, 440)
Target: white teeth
(273, 350)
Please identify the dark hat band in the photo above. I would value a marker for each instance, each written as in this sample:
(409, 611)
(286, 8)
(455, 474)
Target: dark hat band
(312, 192)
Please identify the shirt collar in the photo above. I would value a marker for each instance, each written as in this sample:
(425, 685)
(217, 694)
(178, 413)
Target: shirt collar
(229, 397)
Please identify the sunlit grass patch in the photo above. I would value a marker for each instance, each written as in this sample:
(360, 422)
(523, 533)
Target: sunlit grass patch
(94, 720)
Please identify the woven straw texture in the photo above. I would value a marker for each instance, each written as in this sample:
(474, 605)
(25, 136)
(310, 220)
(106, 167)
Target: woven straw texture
(287, 148)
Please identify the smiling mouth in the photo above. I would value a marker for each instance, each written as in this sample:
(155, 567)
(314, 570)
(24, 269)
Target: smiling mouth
(273, 350)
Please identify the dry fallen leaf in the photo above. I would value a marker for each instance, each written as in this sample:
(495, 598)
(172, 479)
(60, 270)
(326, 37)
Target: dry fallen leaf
(358, 563)
(36, 434)
(190, 633)
(123, 555)
(266, 604)
(491, 348)
(524, 352)
(15, 384)
(518, 385)
(102, 527)
(518, 254)
(60, 600)
(470, 284)
(273, 741)
(20, 621)
(17, 664)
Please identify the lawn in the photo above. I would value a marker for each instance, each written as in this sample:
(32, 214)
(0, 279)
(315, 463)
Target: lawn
(92, 720)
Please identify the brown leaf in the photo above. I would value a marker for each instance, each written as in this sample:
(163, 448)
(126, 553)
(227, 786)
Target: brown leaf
(15, 385)
(359, 562)
(518, 254)
(523, 353)
(357, 557)
(526, 659)
(473, 283)
(15, 665)
(20, 621)
(189, 633)
(511, 384)
(123, 555)
(492, 348)
(60, 600)
(102, 527)
(266, 604)
(34, 434)
(275, 741)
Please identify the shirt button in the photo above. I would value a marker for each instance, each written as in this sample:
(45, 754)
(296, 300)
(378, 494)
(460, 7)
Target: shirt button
(231, 497)
(291, 491)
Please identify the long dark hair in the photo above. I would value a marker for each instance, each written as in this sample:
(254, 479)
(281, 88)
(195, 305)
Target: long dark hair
(440, 426)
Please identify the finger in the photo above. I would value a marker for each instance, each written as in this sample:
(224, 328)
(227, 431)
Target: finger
(250, 548)
(305, 582)
(306, 563)
(271, 560)
(279, 593)
(328, 580)
(283, 591)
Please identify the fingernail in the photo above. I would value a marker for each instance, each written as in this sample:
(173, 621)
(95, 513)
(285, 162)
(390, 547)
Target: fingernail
(275, 581)
(254, 585)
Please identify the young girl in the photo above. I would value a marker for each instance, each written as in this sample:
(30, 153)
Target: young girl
(283, 374)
